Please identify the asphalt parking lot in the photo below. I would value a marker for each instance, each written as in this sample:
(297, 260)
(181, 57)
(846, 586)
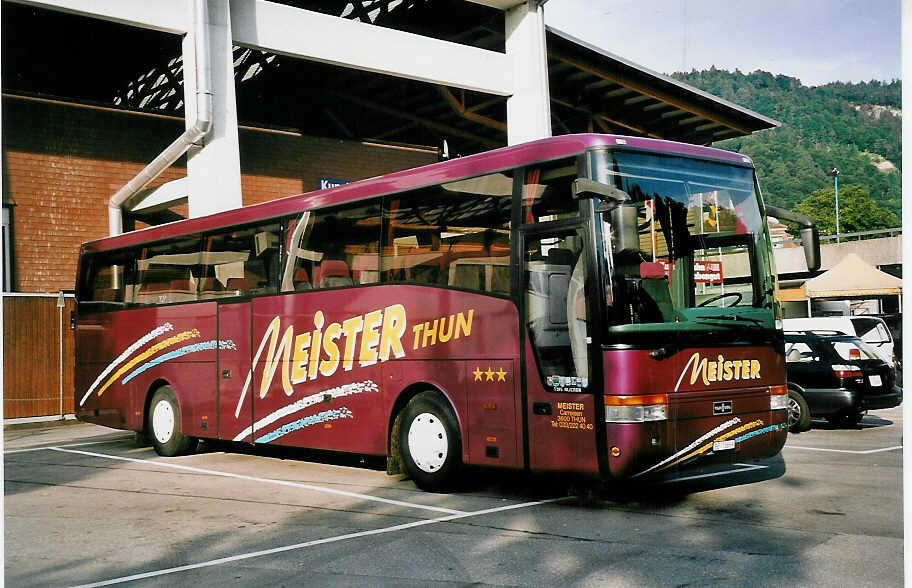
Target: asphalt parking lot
(84, 505)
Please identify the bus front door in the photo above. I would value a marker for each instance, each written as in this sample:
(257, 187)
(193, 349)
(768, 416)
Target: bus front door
(560, 408)
(235, 398)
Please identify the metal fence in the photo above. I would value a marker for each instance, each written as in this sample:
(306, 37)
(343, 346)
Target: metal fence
(863, 235)
(38, 355)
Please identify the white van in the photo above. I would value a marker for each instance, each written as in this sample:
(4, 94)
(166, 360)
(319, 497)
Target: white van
(870, 329)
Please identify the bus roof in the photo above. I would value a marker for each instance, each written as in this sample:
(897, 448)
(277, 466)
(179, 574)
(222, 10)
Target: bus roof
(445, 171)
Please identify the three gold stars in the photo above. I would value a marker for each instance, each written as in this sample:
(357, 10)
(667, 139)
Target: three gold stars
(489, 374)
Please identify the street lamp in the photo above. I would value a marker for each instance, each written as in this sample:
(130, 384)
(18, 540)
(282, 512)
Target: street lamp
(835, 173)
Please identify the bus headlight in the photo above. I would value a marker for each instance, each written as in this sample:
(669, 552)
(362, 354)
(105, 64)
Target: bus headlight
(779, 398)
(636, 409)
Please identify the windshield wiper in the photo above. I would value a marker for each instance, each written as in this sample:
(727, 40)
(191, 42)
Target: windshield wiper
(728, 321)
(732, 317)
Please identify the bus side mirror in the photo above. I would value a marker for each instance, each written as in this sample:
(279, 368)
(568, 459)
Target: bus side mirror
(810, 237)
(609, 195)
(624, 219)
(810, 240)
(616, 203)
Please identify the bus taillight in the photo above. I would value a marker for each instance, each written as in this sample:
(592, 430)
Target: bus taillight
(779, 397)
(636, 409)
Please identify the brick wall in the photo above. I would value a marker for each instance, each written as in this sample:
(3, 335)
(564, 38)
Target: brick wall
(62, 163)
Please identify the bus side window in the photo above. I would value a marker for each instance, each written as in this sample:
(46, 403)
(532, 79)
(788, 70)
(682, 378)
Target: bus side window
(556, 308)
(365, 268)
(298, 261)
(262, 269)
(105, 283)
(242, 261)
(168, 272)
(546, 193)
(456, 234)
(338, 249)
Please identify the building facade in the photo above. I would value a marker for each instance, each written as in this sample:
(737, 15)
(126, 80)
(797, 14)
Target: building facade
(62, 161)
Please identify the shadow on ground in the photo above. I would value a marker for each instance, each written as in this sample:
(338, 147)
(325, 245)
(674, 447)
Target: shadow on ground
(700, 531)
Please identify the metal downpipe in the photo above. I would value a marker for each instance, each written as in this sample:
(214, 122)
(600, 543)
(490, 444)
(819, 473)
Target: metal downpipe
(193, 134)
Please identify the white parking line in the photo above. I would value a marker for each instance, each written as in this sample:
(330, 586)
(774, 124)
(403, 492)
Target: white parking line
(10, 451)
(266, 480)
(853, 451)
(243, 556)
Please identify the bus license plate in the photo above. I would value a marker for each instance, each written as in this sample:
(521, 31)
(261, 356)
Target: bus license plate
(875, 380)
(723, 445)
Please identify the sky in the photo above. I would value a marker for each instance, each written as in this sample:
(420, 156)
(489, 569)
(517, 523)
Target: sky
(817, 41)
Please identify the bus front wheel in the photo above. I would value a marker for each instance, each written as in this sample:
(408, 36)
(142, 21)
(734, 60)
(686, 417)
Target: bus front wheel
(429, 442)
(164, 424)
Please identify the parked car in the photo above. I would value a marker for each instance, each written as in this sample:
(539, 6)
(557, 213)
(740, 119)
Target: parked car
(836, 376)
(870, 329)
(894, 324)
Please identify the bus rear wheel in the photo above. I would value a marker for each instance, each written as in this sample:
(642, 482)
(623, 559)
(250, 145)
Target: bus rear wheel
(164, 425)
(429, 442)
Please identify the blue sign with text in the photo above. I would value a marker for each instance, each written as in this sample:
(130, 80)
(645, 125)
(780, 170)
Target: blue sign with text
(331, 183)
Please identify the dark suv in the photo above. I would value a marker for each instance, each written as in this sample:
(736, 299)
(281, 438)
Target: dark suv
(835, 376)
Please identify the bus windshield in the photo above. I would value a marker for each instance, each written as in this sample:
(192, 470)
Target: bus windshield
(703, 259)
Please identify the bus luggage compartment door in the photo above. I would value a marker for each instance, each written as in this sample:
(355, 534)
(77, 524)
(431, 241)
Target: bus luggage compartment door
(235, 412)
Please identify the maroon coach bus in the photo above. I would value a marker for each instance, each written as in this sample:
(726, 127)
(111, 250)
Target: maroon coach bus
(585, 304)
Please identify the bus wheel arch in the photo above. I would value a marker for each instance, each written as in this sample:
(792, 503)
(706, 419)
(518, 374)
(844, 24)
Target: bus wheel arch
(162, 418)
(429, 440)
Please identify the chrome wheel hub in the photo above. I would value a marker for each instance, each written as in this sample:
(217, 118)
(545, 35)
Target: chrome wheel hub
(794, 412)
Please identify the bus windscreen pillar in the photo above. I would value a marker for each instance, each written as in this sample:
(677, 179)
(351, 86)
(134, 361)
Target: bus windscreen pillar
(213, 168)
(529, 108)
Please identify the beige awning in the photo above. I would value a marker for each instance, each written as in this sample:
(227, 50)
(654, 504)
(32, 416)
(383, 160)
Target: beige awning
(798, 294)
(853, 277)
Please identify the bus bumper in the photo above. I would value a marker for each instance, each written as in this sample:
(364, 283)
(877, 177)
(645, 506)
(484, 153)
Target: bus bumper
(650, 451)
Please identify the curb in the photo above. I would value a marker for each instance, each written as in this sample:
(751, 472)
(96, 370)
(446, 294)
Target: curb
(39, 422)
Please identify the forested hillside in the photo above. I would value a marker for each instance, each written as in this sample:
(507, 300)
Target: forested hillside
(854, 127)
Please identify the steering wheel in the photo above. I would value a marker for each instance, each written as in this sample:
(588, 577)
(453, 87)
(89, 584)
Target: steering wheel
(736, 295)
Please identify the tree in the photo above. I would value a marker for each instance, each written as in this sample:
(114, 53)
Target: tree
(847, 125)
(857, 211)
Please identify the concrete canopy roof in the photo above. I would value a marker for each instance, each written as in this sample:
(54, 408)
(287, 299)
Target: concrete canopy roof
(629, 98)
(116, 65)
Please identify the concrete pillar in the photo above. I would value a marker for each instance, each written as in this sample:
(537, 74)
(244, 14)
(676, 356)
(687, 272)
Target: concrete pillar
(529, 108)
(214, 168)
